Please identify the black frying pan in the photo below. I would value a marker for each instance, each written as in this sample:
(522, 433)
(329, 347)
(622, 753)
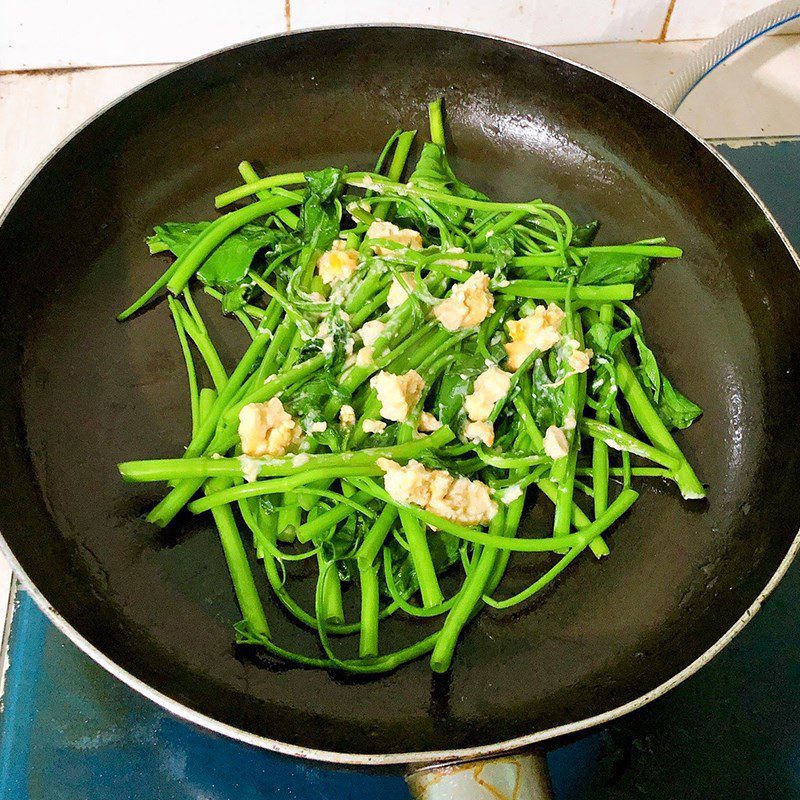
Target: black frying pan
(80, 392)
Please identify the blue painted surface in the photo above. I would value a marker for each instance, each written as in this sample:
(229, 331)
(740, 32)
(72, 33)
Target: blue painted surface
(20, 697)
(69, 731)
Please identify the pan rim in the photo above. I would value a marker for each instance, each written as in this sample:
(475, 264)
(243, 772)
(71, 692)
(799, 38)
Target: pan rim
(416, 759)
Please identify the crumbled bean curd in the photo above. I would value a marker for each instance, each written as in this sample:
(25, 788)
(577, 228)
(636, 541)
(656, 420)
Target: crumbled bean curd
(400, 436)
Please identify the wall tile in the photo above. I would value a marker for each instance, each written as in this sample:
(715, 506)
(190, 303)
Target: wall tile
(536, 21)
(37, 34)
(701, 19)
(38, 111)
(95, 33)
(40, 34)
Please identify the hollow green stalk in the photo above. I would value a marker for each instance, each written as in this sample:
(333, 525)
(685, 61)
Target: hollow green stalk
(285, 215)
(552, 292)
(194, 398)
(600, 462)
(277, 486)
(370, 600)
(620, 505)
(648, 420)
(620, 440)
(241, 575)
(469, 596)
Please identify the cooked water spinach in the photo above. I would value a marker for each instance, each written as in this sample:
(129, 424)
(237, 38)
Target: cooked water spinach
(424, 363)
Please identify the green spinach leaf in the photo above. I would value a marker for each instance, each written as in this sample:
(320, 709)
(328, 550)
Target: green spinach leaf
(453, 388)
(229, 263)
(325, 184)
(433, 172)
(584, 235)
(319, 225)
(675, 409)
(604, 268)
(602, 338)
(546, 399)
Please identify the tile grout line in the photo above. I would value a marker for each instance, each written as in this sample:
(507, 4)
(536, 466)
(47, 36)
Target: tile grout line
(46, 72)
(662, 37)
(60, 70)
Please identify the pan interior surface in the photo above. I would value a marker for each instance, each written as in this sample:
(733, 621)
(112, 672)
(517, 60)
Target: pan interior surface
(80, 392)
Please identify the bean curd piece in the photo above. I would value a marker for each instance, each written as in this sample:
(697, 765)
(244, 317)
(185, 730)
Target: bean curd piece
(467, 305)
(370, 331)
(428, 423)
(326, 337)
(397, 292)
(407, 237)
(459, 499)
(337, 264)
(250, 468)
(364, 356)
(325, 334)
(578, 359)
(398, 394)
(347, 415)
(555, 443)
(464, 501)
(480, 433)
(458, 263)
(489, 387)
(374, 426)
(511, 494)
(265, 429)
(538, 331)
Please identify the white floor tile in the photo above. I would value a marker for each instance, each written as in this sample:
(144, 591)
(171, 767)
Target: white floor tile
(754, 94)
(37, 111)
(90, 33)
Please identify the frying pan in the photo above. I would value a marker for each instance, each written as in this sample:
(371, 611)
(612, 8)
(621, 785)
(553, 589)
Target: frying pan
(80, 392)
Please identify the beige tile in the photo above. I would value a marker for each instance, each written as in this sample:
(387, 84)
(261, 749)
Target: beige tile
(38, 111)
(701, 19)
(534, 21)
(88, 33)
(644, 66)
(754, 94)
(91, 33)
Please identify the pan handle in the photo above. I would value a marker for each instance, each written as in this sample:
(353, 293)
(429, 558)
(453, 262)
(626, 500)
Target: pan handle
(521, 776)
